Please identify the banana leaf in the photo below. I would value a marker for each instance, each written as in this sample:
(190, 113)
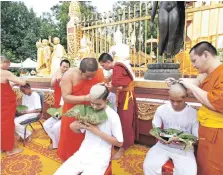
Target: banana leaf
(168, 135)
(21, 108)
(84, 113)
(55, 112)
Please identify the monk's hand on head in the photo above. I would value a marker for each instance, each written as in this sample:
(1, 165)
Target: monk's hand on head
(170, 81)
(186, 82)
(94, 129)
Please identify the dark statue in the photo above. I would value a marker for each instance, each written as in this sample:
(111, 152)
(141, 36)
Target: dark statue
(171, 21)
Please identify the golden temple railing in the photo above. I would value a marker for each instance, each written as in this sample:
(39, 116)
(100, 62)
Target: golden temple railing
(202, 23)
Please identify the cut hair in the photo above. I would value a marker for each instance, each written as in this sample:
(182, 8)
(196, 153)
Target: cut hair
(88, 65)
(99, 91)
(200, 47)
(65, 61)
(26, 86)
(105, 57)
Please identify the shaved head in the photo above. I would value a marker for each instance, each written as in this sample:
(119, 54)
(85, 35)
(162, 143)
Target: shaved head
(178, 89)
(99, 91)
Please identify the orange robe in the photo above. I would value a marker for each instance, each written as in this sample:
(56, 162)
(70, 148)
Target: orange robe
(210, 147)
(57, 94)
(69, 141)
(8, 109)
(126, 103)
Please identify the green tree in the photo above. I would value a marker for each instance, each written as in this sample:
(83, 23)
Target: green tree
(19, 30)
(61, 10)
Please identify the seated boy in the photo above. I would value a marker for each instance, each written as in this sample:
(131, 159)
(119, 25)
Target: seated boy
(94, 154)
(52, 128)
(177, 115)
(32, 101)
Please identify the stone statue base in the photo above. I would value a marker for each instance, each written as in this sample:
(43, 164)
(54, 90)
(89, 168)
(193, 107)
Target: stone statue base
(162, 71)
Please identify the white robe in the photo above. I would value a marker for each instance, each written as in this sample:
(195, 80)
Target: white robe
(184, 160)
(94, 154)
(32, 102)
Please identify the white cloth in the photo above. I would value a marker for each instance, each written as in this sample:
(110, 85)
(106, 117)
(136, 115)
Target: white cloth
(52, 128)
(157, 156)
(112, 99)
(94, 154)
(32, 102)
(184, 161)
(61, 102)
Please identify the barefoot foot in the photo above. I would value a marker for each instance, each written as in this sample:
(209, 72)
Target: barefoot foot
(14, 151)
(118, 154)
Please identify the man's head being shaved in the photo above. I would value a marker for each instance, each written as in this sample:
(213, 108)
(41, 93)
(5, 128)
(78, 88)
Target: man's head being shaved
(98, 96)
(178, 89)
(177, 94)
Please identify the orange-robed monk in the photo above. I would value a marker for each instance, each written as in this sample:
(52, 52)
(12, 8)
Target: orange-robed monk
(55, 81)
(208, 90)
(8, 108)
(76, 85)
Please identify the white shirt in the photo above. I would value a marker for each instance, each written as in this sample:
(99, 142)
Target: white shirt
(32, 102)
(93, 148)
(185, 120)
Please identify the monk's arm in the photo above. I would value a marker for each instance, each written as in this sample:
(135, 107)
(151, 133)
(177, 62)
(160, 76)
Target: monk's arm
(66, 88)
(53, 80)
(18, 81)
(201, 96)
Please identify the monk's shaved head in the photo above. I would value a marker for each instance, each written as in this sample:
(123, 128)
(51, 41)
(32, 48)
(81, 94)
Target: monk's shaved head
(177, 89)
(89, 65)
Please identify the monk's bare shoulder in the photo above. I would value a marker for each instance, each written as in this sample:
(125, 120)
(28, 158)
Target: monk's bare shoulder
(5, 75)
(73, 74)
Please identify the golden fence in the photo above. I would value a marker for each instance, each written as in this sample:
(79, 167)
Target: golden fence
(202, 23)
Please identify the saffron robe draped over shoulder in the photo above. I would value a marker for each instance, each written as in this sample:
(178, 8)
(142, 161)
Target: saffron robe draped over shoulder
(210, 154)
(57, 94)
(69, 141)
(8, 109)
(126, 103)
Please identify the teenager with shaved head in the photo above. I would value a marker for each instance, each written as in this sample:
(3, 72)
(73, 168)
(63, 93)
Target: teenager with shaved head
(176, 115)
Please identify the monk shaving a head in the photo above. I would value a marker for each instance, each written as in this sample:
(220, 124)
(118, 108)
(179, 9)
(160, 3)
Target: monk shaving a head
(175, 115)
(208, 90)
(94, 154)
(75, 85)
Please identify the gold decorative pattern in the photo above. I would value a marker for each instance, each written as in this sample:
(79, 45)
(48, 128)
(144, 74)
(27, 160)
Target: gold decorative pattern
(49, 98)
(147, 110)
(18, 93)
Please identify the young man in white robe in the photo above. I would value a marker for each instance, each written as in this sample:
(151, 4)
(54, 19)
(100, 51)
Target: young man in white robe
(177, 115)
(94, 154)
(52, 128)
(32, 101)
